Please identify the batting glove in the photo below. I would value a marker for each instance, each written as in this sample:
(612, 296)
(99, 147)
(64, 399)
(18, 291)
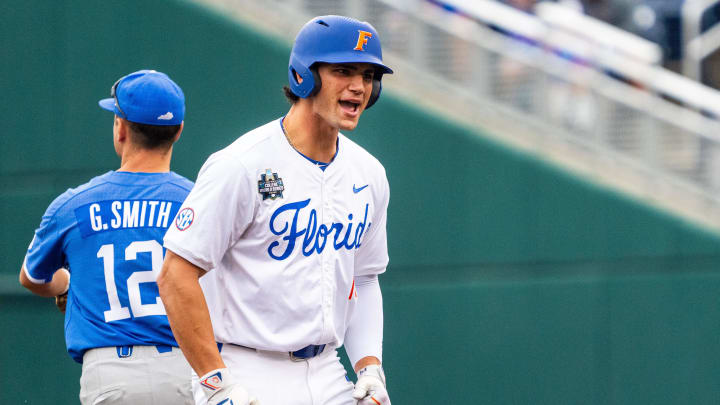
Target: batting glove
(370, 387)
(220, 388)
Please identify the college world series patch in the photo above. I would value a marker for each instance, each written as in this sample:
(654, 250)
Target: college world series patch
(270, 185)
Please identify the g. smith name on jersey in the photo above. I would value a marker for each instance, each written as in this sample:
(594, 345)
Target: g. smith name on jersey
(110, 215)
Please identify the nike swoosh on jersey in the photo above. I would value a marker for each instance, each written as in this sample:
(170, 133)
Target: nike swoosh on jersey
(358, 189)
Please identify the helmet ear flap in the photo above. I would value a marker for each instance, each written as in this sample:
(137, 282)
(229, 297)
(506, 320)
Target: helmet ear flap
(303, 87)
(310, 84)
(376, 89)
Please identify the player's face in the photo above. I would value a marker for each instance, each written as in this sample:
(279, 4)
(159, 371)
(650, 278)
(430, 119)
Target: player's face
(344, 93)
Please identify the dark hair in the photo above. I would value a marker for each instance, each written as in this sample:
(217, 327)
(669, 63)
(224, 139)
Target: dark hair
(290, 96)
(153, 136)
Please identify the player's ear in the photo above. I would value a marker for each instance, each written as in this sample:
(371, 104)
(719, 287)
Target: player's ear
(122, 129)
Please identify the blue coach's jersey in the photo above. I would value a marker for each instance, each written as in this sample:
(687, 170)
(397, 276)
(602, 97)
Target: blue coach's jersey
(108, 233)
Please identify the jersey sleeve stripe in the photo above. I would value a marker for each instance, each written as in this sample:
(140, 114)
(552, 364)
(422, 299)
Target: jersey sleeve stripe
(29, 276)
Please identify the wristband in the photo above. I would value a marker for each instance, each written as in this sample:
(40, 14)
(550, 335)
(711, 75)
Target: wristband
(215, 380)
(373, 370)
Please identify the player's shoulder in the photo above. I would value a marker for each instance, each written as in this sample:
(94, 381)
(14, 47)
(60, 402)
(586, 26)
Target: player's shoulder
(68, 199)
(246, 148)
(114, 184)
(180, 181)
(250, 142)
(360, 156)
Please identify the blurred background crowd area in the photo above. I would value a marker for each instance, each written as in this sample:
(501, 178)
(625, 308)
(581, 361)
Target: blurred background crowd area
(659, 21)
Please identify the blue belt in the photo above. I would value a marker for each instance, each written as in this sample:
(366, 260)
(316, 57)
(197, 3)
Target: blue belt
(307, 352)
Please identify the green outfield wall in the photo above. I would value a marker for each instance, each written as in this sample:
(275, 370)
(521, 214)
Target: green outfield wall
(510, 281)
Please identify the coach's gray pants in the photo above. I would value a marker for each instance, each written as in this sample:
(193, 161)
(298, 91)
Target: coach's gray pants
(145, 377)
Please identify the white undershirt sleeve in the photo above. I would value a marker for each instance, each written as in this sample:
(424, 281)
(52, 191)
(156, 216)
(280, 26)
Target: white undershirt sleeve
(364, 334)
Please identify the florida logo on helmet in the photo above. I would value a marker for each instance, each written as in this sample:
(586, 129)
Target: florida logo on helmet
(362, 40)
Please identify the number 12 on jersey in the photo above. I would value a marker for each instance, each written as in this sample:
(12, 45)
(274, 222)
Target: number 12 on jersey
(117, 311)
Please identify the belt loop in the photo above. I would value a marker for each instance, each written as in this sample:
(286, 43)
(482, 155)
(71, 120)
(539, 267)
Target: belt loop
(124, 351)
(163, 348)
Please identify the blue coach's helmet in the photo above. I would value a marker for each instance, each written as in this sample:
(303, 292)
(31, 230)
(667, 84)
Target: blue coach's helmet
(334, 39)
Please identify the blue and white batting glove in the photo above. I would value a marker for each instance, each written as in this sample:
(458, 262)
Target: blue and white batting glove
(220, 388)
(370, 387)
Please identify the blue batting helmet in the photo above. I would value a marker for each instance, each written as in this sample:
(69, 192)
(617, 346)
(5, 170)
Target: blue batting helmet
(334, 39)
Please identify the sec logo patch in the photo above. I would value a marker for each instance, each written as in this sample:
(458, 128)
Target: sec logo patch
(184, 219)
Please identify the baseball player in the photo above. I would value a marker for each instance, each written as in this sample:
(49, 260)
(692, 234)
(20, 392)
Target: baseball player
(273, 261)
(107, 233)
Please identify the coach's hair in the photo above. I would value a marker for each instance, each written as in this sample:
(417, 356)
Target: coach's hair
(289, 95)
(153, 136)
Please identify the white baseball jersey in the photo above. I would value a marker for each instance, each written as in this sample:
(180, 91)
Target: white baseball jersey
(282, 239)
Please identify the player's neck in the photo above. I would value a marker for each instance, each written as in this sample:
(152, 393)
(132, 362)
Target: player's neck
(309, 134)
(145, 161)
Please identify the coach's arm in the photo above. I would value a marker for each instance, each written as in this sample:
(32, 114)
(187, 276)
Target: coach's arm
(188, 313)
(57, 286)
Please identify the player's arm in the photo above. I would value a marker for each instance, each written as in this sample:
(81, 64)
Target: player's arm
(194, 246)
(363, 342)
(188, 313)
(42, 271)
(190, 322)
(363, 338)
(57, 286)
(364, 335)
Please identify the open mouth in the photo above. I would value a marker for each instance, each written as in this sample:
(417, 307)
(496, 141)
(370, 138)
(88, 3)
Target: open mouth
(349, 106)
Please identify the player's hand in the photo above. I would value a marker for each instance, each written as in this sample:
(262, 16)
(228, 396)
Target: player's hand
(370, 387)
(61, 301)
(220, 388)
